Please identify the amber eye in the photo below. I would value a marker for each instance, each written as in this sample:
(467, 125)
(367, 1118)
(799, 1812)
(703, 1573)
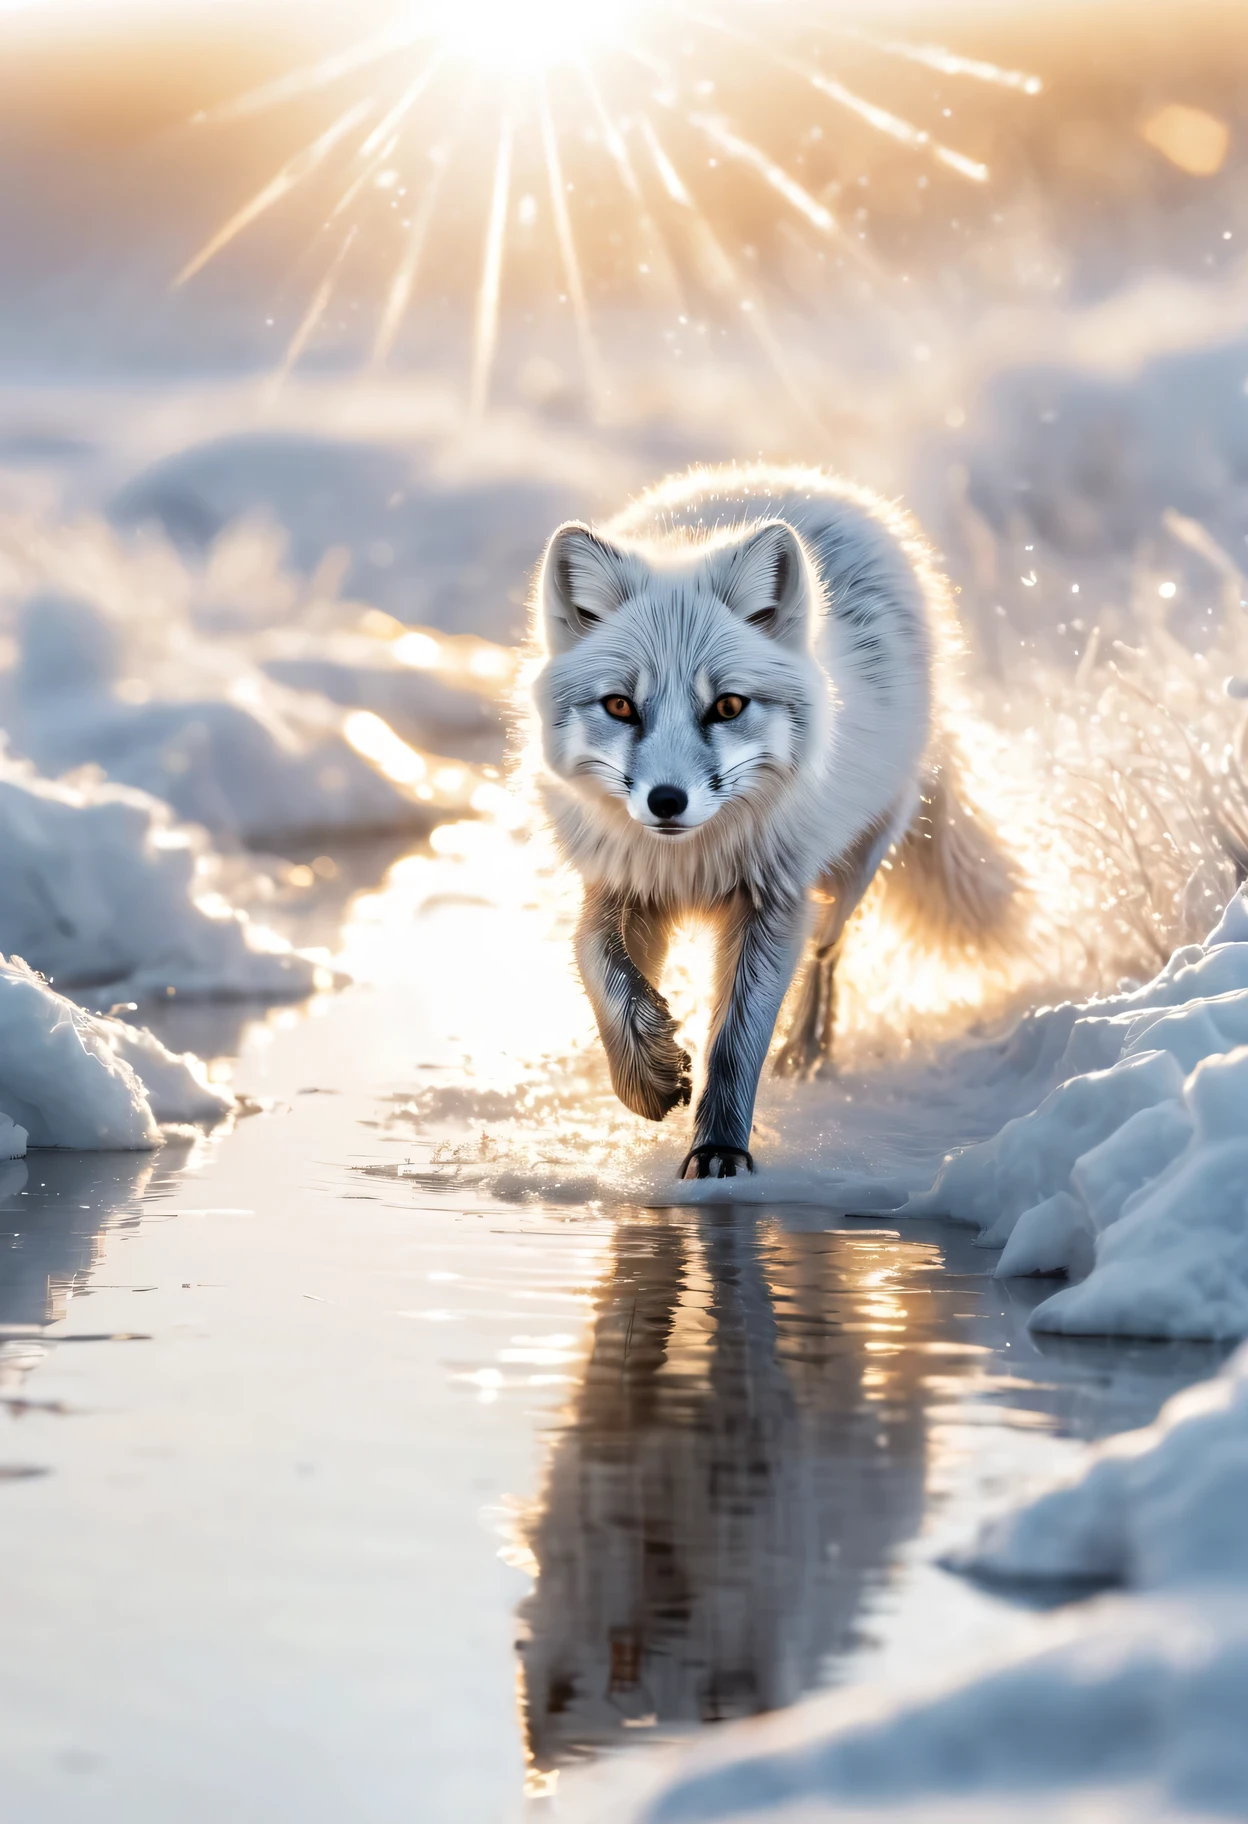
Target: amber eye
(621, 708)
(729, 707)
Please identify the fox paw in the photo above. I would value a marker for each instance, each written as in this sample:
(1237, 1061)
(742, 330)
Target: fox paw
(716, 1162)
(794, 1059)
(656, 1075)
(802, 1055)
(657, 1079)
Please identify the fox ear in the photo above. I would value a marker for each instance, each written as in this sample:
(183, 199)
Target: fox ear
(583, 581)
(765, 580)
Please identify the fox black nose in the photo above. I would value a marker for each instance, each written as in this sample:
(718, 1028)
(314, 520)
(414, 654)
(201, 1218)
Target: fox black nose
(667, 801)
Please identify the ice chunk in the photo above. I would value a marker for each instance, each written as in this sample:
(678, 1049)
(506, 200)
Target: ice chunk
(72, 1079)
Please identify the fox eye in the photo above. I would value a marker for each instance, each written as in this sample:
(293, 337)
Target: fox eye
(728, 708)
(622, 709)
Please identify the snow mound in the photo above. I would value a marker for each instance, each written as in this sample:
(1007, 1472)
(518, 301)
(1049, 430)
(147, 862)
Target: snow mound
(198, 725)
(101, 889)
(419, 536)
(1154, 1509)
(1130, 1710)
(72, 1079)
(1133, 1169)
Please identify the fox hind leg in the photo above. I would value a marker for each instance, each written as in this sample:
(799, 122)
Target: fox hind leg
(838, 895)
(809, 1043)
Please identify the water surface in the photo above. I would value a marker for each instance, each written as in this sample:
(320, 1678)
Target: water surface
(328, 1493)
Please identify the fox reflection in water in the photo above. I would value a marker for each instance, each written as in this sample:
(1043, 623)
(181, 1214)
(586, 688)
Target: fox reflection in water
(745, 1453)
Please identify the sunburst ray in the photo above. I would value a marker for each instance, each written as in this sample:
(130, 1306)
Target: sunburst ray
(291, 175)
(399, 294)
(485, 335)
(595, 379)
(721, 275)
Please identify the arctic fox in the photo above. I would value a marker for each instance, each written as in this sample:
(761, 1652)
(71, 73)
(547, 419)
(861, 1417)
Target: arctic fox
(741, 716)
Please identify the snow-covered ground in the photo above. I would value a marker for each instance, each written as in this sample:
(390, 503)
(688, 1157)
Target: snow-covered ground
(1133, 1170)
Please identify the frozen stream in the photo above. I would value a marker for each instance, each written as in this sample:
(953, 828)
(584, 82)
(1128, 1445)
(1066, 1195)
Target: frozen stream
(327, 1493)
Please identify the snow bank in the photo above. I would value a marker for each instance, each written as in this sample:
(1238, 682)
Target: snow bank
(1129, 1711)
(101, 889)
(1153, 1509)
(71, 1079)
(1134, 1168)
(429, 531)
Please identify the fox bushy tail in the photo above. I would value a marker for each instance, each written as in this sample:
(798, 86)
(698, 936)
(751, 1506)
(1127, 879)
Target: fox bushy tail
(951, 884)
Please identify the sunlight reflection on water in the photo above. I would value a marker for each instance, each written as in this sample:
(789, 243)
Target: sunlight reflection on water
(708, 1454)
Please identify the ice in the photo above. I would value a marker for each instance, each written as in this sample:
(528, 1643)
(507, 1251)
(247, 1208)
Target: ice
(73, 1079)
(101, 889)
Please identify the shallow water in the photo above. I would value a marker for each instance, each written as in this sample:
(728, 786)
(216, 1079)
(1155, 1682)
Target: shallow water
(329, 1493)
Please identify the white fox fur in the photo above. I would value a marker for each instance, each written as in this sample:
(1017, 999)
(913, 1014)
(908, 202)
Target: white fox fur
(818, 609)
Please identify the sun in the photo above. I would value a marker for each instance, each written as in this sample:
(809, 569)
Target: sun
(640, 146)
(524, 35)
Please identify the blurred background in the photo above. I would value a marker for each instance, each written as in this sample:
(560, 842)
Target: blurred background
(316, 318)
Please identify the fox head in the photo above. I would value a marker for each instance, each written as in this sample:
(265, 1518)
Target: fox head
(679, 679)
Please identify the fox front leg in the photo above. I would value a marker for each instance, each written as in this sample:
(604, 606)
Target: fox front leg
(759, 949)
(619, 945)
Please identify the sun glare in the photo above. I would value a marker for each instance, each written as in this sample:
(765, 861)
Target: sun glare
(504, 35)
(590, 140)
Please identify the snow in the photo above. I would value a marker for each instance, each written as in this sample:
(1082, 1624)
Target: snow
(1134, 1173)
(1154, 1509)
(220, 742)
(101, 889)
(1129, 1710)
(72, 1079)
(424, 540)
